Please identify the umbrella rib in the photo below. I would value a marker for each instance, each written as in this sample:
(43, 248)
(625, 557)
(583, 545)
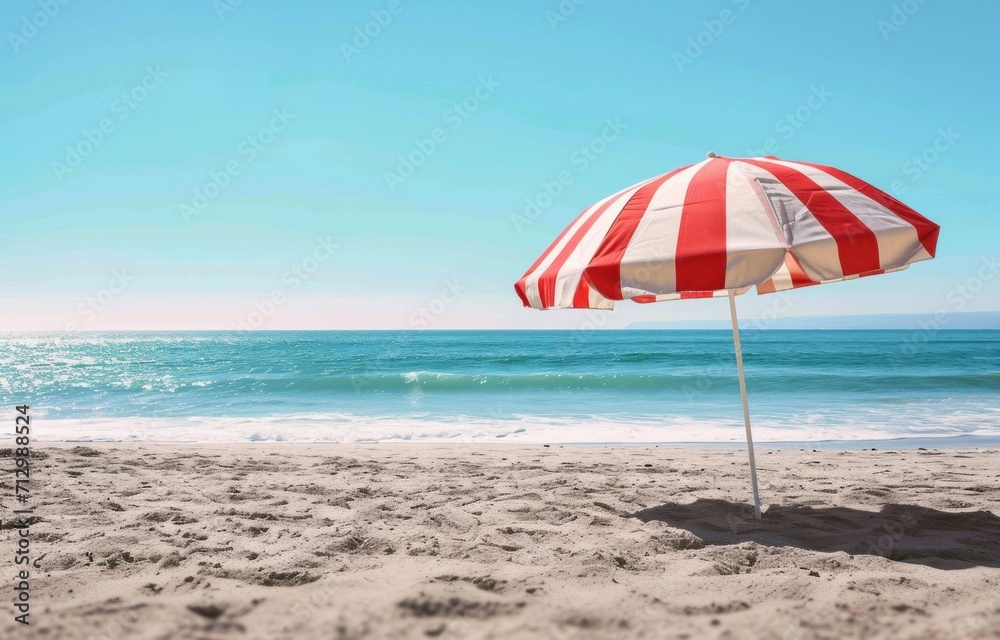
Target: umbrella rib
(765, 202)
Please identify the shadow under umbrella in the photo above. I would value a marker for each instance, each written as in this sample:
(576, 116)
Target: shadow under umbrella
(906, 533)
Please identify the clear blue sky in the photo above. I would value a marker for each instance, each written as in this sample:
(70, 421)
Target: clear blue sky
(301, 121)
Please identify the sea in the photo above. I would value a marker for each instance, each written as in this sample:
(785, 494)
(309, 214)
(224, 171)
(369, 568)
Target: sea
(567, 387)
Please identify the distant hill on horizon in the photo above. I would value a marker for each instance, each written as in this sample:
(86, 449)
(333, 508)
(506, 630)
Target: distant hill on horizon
(900, 321)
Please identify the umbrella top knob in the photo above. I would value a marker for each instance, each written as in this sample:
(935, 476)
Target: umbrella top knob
(710, 154)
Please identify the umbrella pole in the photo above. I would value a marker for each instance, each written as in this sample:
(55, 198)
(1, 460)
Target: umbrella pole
(746, 406)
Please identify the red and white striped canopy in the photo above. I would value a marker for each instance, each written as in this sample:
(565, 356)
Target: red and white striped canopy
(726, 224)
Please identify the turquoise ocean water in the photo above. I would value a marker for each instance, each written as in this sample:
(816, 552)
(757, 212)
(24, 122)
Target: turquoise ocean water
(502, 386)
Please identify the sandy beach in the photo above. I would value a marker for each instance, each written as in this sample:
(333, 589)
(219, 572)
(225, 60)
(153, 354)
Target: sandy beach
(450, 541)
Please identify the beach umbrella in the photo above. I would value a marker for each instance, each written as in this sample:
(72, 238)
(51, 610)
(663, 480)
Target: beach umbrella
(718, 228)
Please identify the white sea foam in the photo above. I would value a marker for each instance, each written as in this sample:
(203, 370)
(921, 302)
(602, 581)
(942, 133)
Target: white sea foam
(345, 428)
